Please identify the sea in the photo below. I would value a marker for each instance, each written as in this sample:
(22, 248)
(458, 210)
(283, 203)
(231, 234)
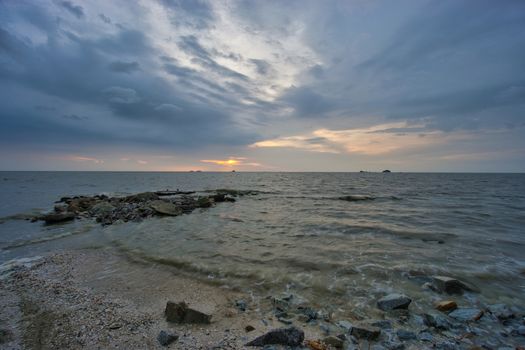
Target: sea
(297, 236)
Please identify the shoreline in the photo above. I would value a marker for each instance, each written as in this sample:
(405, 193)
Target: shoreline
(100, 299)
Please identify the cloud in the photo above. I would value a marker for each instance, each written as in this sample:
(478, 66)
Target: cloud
(119, 94)
(75, 10)
(373, 141)
(261, 66)
(184, 76)
(124, 67)
(85, 159)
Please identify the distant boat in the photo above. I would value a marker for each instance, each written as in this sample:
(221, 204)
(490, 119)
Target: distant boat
(386, 171)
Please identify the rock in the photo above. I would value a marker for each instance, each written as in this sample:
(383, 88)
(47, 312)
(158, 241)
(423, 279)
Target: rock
(386, 171)
(204, 202)
(101, 209)
(249, 328)
(425, 336)
(466, 314)
(383, 324)
(436, 321)
(166, 338)
(347, 326)
(241, 305)
(334, 341)
(290, 336)
(141, 197)
(405, 335)
(450, 285)
(356, 198)
(315, 345)
(54, 218)
(365, 331)
(165, 208)
(181, 313)
(393, 302)
(285, 320)
(521, 330)
(310, 313)
(501, 311)
(446, 305)
(280, 304)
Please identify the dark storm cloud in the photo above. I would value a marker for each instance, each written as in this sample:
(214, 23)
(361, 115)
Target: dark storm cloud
(75, 10)
(455, 64)
(74, 72)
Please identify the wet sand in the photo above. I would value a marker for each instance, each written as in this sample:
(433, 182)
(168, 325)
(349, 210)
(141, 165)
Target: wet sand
(97, 299)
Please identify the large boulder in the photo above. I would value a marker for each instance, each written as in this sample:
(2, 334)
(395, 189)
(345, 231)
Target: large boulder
(181, 313)
(165, 208)
(290, 336)
(393, 302)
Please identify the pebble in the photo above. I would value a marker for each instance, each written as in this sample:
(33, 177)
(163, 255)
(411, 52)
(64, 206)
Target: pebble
(446, 305)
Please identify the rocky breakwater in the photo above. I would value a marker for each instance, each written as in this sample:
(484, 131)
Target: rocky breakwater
(109, 210)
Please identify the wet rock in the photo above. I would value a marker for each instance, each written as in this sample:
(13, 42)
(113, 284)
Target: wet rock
(446, 305)
(165, 208)
(501, 311)
(181, 313)
(315, 345)
(347, 326)
(204, 202)
(356, 198)
(166, 338)
(393, 302)
(436, 321)
(290, 336)
(101, 209)
(383, 324)
(285, 320)
(443, 284)
(281, 303)
(426, 336)
(466, 314)
(241, 305)
(310, 313)
(405, 335)
(334, 341)
(55, 218)
(141, 197)
(365, 331)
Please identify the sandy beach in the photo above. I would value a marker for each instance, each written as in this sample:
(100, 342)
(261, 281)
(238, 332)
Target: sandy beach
(99, 300)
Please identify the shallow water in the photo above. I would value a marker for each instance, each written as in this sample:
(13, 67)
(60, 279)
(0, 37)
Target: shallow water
(297, 236)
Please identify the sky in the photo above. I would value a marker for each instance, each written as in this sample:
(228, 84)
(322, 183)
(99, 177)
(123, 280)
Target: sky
(290, 85)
